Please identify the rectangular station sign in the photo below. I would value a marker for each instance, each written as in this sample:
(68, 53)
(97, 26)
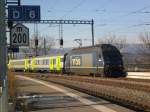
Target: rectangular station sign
(23, 13)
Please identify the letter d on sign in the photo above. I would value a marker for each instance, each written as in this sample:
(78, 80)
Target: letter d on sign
(16, 14)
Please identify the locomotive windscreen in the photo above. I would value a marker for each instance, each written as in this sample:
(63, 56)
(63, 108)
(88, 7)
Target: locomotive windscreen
(111, 55)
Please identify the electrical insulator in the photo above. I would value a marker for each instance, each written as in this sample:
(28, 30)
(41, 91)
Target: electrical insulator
(61, 42)
(36, 42)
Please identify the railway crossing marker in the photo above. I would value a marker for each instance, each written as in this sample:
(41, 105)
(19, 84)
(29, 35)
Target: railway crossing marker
(19, 35)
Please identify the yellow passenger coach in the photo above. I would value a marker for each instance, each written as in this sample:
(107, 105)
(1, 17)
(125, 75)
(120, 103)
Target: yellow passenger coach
(38, 64)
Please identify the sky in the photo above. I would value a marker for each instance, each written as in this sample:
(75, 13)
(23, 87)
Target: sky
(123, 18)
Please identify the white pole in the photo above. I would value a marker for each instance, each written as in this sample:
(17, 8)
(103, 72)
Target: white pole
(3, 67)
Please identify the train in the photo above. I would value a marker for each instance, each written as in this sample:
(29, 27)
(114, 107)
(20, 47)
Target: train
(103, 60)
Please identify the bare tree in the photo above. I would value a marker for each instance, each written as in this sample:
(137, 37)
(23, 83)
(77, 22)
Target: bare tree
(145, 47)
(25, 51)
(114, 40)
(45, 43)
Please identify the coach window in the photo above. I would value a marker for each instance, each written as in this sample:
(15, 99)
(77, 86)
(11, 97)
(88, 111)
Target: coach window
(19, 63)
(43, 62)
(37, 62)
(47, 62)
(22, 62)
(54, 61)
(40, 62)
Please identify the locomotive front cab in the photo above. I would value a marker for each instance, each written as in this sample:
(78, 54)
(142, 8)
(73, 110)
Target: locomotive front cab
(113, 62)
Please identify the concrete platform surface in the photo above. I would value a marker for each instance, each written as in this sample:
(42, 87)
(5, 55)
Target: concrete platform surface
(139, 75)
(42, 96)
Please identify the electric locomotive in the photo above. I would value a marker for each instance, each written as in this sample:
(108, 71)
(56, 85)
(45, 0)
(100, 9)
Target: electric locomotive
(103, 60)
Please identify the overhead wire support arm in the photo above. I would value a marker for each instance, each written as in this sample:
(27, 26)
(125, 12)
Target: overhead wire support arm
(58, 22)
(90, 22)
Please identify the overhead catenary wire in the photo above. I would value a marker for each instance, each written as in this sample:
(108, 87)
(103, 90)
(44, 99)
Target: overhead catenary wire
(74, 8)
(126, 15)
(106, 24)
(71, 10)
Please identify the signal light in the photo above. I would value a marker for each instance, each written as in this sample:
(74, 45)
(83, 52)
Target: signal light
(36, 42)
(61, 42)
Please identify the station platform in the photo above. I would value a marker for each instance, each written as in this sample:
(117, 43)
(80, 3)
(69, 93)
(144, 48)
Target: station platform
(42, 96)
(139, 75)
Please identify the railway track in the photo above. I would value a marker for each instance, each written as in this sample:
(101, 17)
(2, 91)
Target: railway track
(128, 78)
(129, 83)
(127, 92)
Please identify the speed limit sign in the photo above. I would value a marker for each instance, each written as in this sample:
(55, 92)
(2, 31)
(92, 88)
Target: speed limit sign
(19, 35)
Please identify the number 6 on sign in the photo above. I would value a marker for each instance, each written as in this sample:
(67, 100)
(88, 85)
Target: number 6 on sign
(32, 14)
(19, 35)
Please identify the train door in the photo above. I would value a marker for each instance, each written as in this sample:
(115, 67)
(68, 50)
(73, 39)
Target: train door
(51, 64)
(66, 63)
(26, 64)
(33, 63)
(100, 62)
(58, 63)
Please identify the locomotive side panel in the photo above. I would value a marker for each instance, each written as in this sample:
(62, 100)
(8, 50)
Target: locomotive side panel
(84, 61)
(82, 64)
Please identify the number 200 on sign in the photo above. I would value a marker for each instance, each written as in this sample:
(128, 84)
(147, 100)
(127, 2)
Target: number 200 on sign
(19, 38)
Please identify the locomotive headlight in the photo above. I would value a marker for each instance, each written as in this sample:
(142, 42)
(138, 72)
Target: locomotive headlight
(100, 60)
